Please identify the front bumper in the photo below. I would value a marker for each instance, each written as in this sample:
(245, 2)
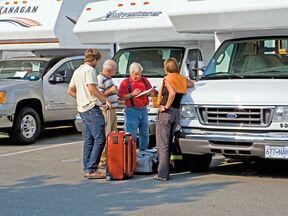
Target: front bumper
(120, 125)
(5, 122)
(239, 144)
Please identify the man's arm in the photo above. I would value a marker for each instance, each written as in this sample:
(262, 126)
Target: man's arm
(71, 91)
(96, 93)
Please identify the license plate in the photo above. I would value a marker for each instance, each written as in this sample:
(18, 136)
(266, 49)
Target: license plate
(280, 152)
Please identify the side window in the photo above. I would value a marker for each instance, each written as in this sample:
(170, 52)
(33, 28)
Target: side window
(64, 73)
(123, 63)
(223, 60)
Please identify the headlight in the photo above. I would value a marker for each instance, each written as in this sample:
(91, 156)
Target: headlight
(281, 114)
(2, 97)
(188, 111)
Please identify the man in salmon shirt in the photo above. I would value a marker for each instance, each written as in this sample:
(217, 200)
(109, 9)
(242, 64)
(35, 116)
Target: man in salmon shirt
(136, 113)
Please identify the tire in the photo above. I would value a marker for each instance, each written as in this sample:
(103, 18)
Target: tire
(26, 126)
(197, 163)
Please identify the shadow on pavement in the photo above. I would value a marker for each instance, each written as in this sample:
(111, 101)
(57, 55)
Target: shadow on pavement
(254, 167)
(35, 196)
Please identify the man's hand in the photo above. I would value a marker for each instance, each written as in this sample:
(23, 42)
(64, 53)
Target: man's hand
(108, 104)
(136, 92)
(113, 89)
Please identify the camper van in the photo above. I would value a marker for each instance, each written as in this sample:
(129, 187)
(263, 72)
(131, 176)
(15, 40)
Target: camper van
(33, 89)
(239, 106)
(143, 32)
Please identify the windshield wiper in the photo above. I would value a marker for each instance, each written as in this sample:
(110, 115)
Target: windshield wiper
(229, 75)
(14, 77)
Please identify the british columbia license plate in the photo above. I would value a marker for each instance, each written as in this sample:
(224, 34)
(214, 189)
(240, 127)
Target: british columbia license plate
(280, 152)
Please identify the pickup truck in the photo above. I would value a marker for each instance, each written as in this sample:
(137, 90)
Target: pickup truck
(33, 95)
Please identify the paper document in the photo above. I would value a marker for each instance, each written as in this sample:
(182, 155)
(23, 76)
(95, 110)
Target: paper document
(143, 93)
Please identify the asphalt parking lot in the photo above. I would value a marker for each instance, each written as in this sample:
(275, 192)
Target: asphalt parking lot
(46, 179)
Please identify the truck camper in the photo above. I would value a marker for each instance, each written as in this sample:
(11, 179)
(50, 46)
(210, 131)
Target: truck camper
(239, 107)
(142, 32)
(33, 89)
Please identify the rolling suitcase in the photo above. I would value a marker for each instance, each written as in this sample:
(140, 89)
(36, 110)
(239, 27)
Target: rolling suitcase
(121, 155)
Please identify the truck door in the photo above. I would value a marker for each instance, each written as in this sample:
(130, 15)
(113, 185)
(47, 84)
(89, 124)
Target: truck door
(58, 104)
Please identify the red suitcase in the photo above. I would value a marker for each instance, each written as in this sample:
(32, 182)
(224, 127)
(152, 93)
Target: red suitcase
(121, 155)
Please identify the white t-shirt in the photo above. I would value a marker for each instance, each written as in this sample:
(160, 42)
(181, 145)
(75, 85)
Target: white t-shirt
(105, 83)
(83, 76)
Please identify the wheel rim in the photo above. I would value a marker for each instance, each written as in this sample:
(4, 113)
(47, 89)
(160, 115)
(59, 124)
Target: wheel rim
(28, 126)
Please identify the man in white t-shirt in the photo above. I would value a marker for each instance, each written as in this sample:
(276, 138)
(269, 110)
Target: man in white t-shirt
(107, 87)
(83, 86)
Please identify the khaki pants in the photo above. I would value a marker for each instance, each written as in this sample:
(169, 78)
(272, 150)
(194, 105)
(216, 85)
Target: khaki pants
(113, 125)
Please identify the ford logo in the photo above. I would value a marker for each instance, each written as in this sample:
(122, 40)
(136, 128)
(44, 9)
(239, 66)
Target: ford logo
(232, 116)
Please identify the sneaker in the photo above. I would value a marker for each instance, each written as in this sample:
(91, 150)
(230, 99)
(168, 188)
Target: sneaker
(156, 177)
(96, 175)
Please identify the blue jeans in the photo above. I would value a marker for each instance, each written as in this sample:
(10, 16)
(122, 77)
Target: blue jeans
(94, 137)
(137, 119)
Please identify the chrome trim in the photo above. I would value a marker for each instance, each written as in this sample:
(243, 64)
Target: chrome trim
(245, 121)
(238, 137)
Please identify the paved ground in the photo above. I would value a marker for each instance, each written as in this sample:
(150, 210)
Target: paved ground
(46, 179)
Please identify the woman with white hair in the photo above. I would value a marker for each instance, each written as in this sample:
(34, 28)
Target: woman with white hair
(136, 113)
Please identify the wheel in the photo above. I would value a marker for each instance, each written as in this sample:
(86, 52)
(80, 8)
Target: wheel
(26, 126)
(197, 163)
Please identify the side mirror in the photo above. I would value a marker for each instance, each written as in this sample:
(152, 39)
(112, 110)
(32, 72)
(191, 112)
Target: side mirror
(196, 69)
(56, 78)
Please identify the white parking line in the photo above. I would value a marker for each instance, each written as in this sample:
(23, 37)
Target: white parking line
(38, 149)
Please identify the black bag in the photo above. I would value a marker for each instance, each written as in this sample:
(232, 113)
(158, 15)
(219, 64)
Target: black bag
(177, 162)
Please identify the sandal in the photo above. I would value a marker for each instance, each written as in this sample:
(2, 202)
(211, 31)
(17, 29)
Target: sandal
(156, 177)
(96, 175)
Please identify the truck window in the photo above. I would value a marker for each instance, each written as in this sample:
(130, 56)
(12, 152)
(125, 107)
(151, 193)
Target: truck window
(151, 59)
(22, 69)
(64, 73)
(249, 58)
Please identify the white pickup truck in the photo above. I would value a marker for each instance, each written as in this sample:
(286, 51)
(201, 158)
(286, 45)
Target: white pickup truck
(33, 94)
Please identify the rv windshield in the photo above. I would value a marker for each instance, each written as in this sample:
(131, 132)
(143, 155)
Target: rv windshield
(151, 59)
(22, 69)
(250, 58)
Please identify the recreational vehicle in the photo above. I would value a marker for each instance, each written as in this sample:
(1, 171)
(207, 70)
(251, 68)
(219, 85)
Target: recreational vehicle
(142, 32)
(33, 89)
(239, 106)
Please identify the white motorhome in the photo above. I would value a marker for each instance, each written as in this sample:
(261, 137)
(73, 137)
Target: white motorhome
(239, 107)
(143, 33)
(33, 89)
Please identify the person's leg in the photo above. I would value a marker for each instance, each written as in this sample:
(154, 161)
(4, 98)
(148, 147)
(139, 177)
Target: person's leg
(113, 120)
(97, 129)
(103, 159)
(88, 141)
(163, 127)
(143, 130)
(132, 121)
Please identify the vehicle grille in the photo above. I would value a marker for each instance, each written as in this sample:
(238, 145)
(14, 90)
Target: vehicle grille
(235, 116)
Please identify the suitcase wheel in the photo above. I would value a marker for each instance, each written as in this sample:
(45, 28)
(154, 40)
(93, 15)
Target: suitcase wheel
(108, 177)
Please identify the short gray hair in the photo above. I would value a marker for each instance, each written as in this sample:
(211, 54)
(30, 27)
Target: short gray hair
(135, 66)
(109, 64)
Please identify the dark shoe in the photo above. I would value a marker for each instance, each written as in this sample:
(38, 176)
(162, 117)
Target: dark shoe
(96, 175)
(156, 177)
